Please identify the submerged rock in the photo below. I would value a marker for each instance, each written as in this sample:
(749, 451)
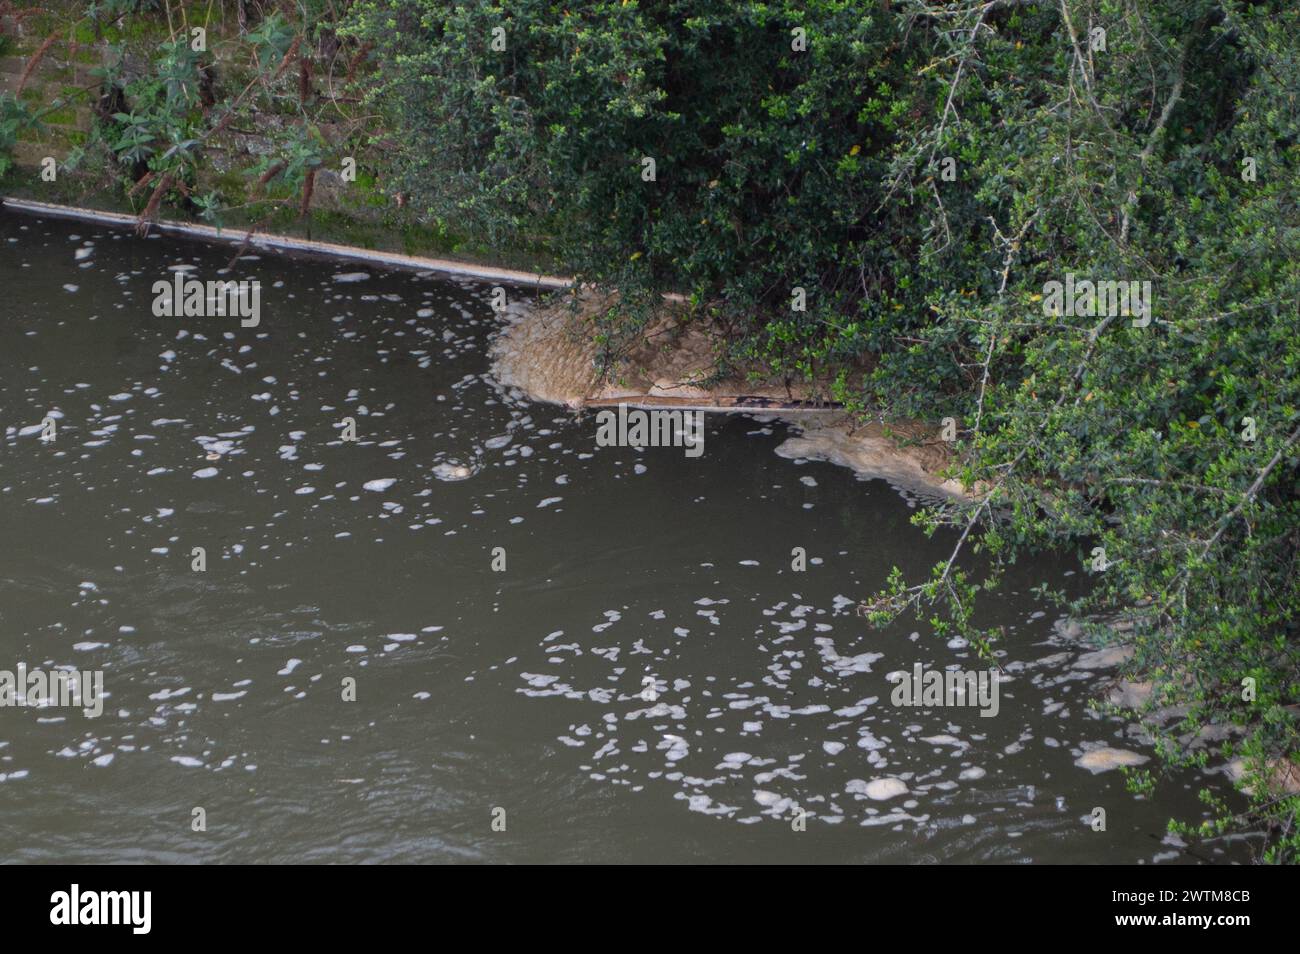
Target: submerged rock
(450, 470)
(1129, 695)
(1105, 658)
(1106, 759)
(1283, 775)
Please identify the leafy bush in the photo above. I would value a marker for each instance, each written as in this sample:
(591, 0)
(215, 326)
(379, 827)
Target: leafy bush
(766, 158)
(167, 121)
(15, 116)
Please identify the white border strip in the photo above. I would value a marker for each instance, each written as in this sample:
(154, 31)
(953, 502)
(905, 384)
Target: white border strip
(285, 243)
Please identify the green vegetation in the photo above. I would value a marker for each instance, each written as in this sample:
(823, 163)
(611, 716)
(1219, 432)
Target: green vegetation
(844, 185)
(14, 117)
(249, 124)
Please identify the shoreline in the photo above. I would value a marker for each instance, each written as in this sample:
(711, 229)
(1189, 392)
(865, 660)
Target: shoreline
(289, 244)
(547, 352)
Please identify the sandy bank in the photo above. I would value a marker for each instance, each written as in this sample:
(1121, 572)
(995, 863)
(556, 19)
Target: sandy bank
(548, 351)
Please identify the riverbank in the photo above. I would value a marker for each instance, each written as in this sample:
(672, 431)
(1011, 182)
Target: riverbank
(547, 352)
(291, 244)
(550, 353)
(288, 150)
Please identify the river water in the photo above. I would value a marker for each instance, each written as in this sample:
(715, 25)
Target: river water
(483, 699)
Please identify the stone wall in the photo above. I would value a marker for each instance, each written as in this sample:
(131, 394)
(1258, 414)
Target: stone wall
(54, 79)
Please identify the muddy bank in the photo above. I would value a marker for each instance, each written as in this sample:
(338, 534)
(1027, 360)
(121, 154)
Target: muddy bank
(549, 352)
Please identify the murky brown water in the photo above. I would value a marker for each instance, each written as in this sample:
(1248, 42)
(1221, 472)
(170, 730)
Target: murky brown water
(475, 690)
